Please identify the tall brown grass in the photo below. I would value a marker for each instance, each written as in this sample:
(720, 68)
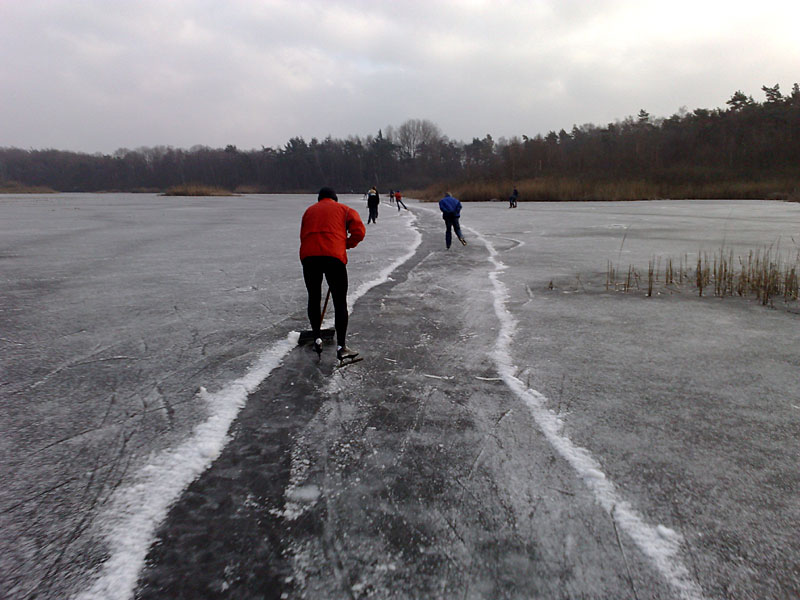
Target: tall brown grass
(766, 274)
(197, 189)
(557, 189)
(15, 187)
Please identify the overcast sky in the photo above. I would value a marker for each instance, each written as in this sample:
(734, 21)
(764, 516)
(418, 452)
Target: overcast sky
(99, 75)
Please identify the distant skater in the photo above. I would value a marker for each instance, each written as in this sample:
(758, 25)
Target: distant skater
(451, 213)
(398, 198)
(373, 200)
(512, 199)
(391, 197)
(328, 230)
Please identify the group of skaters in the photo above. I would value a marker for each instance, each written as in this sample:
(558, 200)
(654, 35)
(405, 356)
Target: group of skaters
(374, 200)
(327, 231)
(449, 205)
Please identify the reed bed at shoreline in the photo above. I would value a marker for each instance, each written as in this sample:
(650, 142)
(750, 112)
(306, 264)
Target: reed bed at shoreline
(15, 187)
(766, 274)
(555, 189)
(196, 189)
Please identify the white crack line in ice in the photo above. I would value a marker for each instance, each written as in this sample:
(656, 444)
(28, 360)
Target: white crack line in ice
(129, 526)
(659, 543)
(384, 275)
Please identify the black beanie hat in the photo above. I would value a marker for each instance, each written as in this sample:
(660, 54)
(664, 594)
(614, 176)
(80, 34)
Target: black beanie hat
(327, 192)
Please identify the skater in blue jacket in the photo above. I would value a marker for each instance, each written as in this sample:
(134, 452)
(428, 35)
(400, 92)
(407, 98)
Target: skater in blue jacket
(451, 213)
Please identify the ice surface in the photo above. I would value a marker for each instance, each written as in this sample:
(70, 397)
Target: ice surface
(662, 550)
(117, 309)
(138, 509)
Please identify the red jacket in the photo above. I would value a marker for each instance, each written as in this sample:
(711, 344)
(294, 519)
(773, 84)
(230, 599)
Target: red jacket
(325, 227)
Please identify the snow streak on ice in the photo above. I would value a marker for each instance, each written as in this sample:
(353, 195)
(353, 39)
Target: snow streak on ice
(136, 511)
(659, 543)
(383, 275)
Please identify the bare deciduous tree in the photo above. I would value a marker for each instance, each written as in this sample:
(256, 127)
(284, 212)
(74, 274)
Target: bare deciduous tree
(416, 133)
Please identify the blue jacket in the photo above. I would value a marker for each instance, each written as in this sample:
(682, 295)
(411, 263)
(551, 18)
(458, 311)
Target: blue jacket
(450, 206)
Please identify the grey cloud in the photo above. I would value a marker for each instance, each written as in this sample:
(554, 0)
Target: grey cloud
(95, 75)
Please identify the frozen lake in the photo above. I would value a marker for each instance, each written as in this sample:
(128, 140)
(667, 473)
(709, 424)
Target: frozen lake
(581, 441)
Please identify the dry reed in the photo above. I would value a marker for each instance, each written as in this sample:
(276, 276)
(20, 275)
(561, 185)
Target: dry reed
(197, 189)
(552, 188)
(766, 274)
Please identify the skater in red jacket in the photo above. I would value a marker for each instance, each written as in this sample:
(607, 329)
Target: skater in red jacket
(327, 231)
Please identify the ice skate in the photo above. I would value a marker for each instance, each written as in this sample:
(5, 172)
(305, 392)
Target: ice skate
(345, 354)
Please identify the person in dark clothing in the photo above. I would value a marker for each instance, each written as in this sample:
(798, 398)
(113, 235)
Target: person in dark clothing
(512, 199)
(373, 200)
(451, 213)
(327, 231)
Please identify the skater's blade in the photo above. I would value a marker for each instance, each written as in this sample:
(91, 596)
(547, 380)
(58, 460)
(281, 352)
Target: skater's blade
(349, 361)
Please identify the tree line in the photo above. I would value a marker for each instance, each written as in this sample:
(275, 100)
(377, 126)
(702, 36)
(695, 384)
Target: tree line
(746, 140)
